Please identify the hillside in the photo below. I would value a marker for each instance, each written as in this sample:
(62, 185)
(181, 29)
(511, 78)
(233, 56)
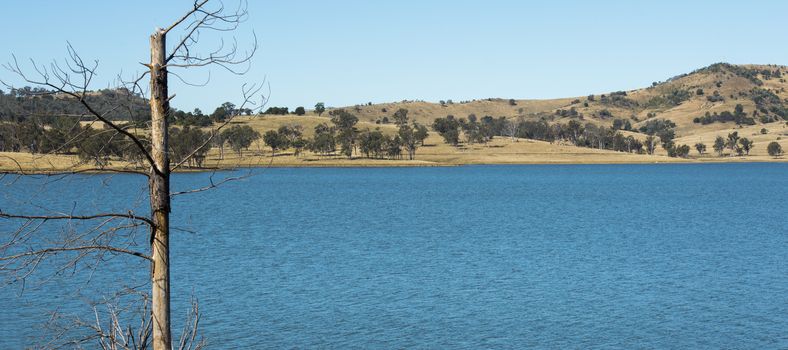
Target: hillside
(710, 102)
(676, 99)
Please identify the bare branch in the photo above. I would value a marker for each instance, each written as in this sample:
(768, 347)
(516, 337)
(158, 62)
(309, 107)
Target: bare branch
(74, 217)
(64, 84)
(46, 251)
(182, 55)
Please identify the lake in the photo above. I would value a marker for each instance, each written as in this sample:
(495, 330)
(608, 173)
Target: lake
(502, 257)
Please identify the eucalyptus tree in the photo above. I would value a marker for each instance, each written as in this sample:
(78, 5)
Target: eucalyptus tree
(719, 145)
(320, 107)
(700, 147)
(733, 142)
(746, 145)
(345, 123)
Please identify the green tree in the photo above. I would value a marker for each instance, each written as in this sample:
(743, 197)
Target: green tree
(746, 145)
(320, 107)
(681, 151)
(421, 133)
(774, 149)
(221, 113)
(401, 117)
(448, 128)
(324, 142)
(299, 111)
(189, 142)
(393, 147)
(372, 144)
(291, 132)
(700, 147)
(408, 137)
(719, 145)
(345, 123)
(298, 145)
(733, 141)
(240, 137)
(275, 140)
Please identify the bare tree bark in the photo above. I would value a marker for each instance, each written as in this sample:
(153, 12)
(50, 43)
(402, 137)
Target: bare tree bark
(159, 180)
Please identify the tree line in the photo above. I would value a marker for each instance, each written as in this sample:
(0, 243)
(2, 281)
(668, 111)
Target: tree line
(343, 136)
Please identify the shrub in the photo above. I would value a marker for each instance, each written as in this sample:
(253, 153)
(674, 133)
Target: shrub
(774, 149)
(716, 97)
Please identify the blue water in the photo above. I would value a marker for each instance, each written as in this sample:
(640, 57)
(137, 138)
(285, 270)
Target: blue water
(503, 257)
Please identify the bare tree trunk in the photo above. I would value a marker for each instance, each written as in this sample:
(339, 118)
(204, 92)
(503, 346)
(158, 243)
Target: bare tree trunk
(160, 194)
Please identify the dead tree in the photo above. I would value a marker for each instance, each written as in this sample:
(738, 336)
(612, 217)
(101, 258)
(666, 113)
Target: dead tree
(72, 80)
(512, 126)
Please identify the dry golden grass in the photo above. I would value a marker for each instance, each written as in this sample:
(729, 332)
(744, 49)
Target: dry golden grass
(434, 153)
(47, 163)
(502, 150)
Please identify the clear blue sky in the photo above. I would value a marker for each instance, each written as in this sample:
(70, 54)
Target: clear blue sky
(349, 52)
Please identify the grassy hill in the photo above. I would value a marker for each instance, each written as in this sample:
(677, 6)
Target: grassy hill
(702, 104)
(676, 99)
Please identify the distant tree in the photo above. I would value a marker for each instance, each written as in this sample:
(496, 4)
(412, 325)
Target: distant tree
(97, 147)
(700, 147)
(622, 124)
(240, 137)
(320, 107)
(774, 149)
(277, 111)
(372, 144)
(448, 128)
(219, 115)
(394, 147)
(719, 145)
(291, 132)
(472, 129)
(190, 144)
(219, 139)
(420, 133)
(324, 141)
(408, 137)
(298, 145)
(658, 127)
(275, 140)
(746, 145)
(739, 110)
(401, 117)
(733, 141)
(651, 144)
(345, 123)
(511, 127)
(680, 151)
(299, 111)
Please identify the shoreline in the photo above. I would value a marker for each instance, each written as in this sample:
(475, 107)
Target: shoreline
(360, 164)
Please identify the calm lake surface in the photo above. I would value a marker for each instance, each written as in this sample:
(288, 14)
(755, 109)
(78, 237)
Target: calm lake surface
(500, 257)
